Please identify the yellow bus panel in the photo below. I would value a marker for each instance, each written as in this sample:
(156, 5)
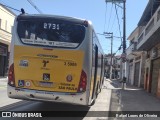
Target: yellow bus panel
(47, 69)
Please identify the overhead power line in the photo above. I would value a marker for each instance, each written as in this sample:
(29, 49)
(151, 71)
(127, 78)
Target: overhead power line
(118, 22)
(113, 23)
(105, 35)
(10, 7)
(35, 6)
(118, 49)
(110, 17)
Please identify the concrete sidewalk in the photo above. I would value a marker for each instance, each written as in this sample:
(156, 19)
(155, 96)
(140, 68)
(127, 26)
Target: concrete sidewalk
(3, 82)
(137, 99)
(133, 100)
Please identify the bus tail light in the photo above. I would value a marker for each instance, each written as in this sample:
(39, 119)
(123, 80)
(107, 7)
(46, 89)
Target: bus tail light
(11, 78)
(83, 82)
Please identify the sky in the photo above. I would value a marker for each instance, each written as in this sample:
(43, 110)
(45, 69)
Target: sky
(102, 15)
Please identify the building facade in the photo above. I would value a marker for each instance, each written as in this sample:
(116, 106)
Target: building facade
(148, 42)
(135, 60)
(116, 62)
(6, 23)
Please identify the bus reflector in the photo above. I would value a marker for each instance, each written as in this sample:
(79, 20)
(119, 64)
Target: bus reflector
(11, 78)
(69, 78)
(83, 82)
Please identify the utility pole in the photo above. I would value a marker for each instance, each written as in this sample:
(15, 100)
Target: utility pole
(124, 42)
(111, 57)
(111, 63)
(123, 56)
(124, 26)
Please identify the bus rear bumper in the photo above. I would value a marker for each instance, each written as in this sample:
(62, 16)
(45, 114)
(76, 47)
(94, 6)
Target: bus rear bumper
(26, 94)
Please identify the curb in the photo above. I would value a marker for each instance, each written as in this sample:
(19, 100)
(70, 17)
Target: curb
(115, 102)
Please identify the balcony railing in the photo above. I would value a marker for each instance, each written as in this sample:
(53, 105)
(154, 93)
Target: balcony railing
(140, 38)
(158, 15)
(150, 28)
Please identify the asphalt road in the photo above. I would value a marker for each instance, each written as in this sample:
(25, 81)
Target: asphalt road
(96, 112)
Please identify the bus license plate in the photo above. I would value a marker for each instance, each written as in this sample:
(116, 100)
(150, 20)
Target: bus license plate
(46, 84)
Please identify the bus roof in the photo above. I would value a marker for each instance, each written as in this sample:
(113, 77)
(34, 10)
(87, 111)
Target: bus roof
(75, 19)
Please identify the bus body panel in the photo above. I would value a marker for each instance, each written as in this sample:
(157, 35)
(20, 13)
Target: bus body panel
(96, 82)
(81, 57)
(40, 69)
(35, 95)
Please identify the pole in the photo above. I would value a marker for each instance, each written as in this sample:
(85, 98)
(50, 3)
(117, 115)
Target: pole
(124, 36)
(124, 27)
(124, 40)
(111, 37)
(111, 57)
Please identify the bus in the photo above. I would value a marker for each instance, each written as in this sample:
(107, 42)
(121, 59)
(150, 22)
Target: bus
(55, 58)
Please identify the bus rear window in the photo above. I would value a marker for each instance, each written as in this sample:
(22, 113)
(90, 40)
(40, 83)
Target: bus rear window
(50, 33)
